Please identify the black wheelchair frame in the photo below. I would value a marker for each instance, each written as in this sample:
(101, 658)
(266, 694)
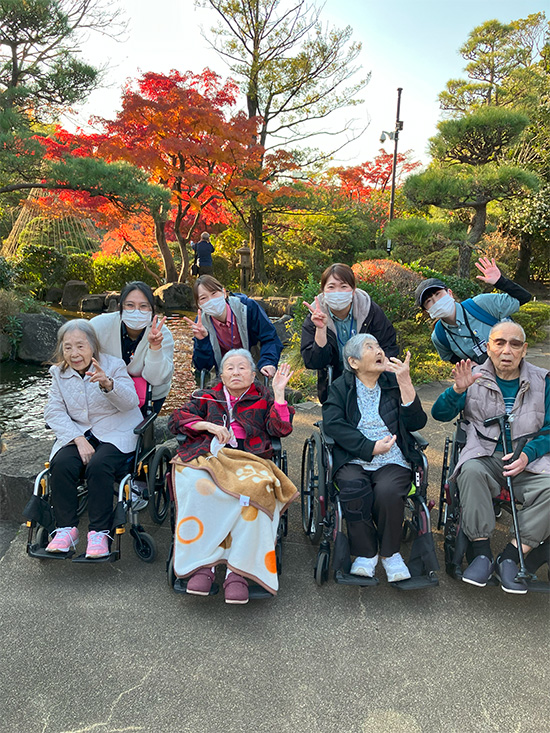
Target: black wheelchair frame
(148, 460)
(322, 517)
(255, 591)
(455, 542)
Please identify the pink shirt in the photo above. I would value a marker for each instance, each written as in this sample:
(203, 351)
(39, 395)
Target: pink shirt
(227, 333)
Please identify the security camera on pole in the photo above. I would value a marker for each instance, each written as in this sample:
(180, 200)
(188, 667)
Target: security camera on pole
(395, 137)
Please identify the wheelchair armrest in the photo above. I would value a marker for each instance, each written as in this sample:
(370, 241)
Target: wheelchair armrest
(276, 444)
(329, 442)
(420, 440)
(144, 424)
(181, 438)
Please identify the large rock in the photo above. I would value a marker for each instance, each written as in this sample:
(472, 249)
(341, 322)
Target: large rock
(280, 327)
(5, 347)
(92, 304)
(111, 301)
(276, 306)
(54, 295)
(175, 296)
(39, 336)
(20, 462)
(73, 292)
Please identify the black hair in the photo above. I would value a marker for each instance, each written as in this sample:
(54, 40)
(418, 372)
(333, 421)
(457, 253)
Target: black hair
(137, 285)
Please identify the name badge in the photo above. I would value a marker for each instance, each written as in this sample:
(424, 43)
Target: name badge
(244, 500)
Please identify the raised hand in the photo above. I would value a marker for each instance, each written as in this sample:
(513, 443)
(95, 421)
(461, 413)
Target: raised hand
(384, 445)
(198, 330)
(490, 273)
(318, 316)
(155, 334)
(462, 374)
(98, 375)
(401, 369)
(280, 380)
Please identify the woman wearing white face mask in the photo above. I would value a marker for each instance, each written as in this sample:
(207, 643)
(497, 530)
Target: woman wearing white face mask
(462, 329)
(226, 322)
(136, 335)
(338, 313)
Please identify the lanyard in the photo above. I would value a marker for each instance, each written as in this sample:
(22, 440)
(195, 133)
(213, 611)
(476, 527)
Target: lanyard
(478, 344)
(231, 407)
(351, 332)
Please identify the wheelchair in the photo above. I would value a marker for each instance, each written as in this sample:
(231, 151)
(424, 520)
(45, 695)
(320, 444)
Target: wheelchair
(255, 591)
(455, 542)
(149, 462)
(323, 519)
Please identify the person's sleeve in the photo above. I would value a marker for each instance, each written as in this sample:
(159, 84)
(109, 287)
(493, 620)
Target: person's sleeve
(499, 305)
(384, 332)
(279, 420)
(183, 419)
(413, 416)
(448, 405)
(540, 446)
(314, 356)
(261, 330)
(339, 429)
(123, 395)
(203, 354)
(57, 417)
(444, 353)
(158, 366)
(511, 288)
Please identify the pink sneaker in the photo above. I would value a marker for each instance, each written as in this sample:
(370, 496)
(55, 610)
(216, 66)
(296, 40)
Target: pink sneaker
(235, 589)
(98, 544)
(64, 539)
(200, 583)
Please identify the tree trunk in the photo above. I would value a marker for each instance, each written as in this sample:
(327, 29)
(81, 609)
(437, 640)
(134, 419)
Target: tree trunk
(256, 221)
(521, 275)
(170, 271)
(475, 232)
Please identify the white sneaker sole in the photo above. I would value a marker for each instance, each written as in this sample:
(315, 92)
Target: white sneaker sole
(398, 576)
(363, 572)
(474, 582)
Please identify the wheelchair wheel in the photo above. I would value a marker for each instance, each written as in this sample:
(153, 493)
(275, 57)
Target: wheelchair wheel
(312, 487)
(320, 572)
(145, 547)
(42, 538)
(82, 496)
(170, 575)
(156, 484)
(279, 556)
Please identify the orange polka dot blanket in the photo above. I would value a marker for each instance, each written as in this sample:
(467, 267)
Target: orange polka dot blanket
(227, 511)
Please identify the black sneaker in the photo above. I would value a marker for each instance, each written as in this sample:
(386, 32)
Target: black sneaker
(479, 571)
(506, 572)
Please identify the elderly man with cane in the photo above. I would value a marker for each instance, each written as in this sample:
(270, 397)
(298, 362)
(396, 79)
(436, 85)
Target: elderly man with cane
(506, 404)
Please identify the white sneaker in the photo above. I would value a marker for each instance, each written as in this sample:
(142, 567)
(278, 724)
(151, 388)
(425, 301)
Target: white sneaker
(364, 566)
(395, 568)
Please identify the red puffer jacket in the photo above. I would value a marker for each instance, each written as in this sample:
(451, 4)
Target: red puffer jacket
(255, 413)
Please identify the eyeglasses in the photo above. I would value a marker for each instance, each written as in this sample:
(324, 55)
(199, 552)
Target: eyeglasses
(132, 308)
(515, 344)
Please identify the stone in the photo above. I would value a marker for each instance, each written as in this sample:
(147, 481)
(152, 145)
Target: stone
(276, 306)
(54, 295)
(21, 461)
(39, 336)
(92, 304)
(280, 327)
(175, 296)
(73, 292)
(5, 347)
(111, 301)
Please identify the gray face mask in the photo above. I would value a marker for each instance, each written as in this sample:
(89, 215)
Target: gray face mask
(443, 308)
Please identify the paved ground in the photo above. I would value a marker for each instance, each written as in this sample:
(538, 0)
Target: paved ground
(111, 648)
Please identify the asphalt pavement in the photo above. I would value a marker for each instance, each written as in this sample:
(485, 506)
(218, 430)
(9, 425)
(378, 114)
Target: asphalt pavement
(110, 647)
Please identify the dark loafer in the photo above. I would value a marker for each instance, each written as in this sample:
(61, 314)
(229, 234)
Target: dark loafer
(506, 572)
(479, 571)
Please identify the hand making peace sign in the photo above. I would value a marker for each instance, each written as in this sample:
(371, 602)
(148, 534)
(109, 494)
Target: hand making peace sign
(155, 335)
(198, 330)
(318, 316)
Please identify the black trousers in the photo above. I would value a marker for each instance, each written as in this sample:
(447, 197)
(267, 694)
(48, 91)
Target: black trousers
(67, 469)
(373, 503)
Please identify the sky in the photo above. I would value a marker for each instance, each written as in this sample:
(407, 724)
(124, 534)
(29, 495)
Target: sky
(412, 44)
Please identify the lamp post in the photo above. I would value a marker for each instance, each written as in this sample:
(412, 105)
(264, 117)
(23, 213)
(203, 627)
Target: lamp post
(395, 137)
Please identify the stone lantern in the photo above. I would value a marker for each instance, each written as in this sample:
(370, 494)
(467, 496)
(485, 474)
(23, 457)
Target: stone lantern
(245, 266)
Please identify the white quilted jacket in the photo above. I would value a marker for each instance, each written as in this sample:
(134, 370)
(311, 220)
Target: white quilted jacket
(76, 405)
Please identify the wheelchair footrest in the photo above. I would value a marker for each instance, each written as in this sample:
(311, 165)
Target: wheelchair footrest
(256, 592)
(538, 586)
(180, 586)
(40, 552)
(349, 579)
(417, 583)
(111, 557)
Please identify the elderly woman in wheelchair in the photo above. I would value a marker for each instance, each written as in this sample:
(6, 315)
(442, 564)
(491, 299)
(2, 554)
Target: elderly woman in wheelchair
(228, 495)
(93, 410)
(370, 413)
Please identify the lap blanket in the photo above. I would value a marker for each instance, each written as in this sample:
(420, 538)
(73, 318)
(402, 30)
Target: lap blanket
(227, 511)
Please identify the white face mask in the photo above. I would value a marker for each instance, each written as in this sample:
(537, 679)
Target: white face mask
(215, 307)
(443, 308)
(339, 301)
(136, 320)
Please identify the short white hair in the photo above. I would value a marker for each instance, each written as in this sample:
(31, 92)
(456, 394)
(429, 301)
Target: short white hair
(503, 323)
(354, 348)
(238, 352)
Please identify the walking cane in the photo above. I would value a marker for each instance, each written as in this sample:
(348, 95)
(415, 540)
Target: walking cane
(504, 421)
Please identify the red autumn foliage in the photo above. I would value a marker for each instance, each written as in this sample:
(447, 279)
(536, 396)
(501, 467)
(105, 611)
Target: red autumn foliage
(360, 181)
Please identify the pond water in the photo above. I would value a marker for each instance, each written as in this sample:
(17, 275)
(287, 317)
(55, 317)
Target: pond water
(24, 387)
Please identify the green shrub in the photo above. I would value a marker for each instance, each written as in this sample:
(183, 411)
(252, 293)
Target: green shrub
(534, 317)
(81, 267)
(112, 272)
(7, 273)
(41, 264)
